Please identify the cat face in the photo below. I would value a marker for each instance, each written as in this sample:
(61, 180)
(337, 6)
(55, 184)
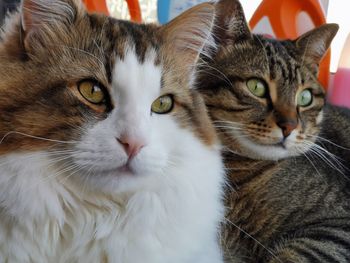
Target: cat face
(103, 101)
(262, 93)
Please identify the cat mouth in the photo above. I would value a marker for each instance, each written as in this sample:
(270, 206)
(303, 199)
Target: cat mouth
(280, 144)
(126, 169)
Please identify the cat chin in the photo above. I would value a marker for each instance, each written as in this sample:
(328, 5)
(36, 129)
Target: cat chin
(121, 180)
(266, 152)
(119, 175)
(113, 182)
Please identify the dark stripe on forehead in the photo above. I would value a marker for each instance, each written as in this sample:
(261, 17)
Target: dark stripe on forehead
(281, 62)
(271, 55)
(141, 37)
(114, 37)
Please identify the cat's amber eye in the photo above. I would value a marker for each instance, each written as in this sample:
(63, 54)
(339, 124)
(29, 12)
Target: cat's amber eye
(257, 87)
(305, 98)
(91, 91)
(163, 104)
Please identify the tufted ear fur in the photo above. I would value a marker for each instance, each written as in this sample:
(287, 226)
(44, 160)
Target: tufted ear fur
(40, 17)
(314, 44)
(230, 24)
(189, 32)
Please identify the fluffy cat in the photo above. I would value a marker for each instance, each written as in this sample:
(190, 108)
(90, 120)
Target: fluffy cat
(289, 196)
(106, 153)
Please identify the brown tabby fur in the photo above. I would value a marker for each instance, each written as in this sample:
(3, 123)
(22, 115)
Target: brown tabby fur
(295, 209)
(42, 63)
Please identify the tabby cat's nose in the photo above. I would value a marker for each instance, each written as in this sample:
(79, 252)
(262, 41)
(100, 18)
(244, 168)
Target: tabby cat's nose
(131, 146)
(287, 126)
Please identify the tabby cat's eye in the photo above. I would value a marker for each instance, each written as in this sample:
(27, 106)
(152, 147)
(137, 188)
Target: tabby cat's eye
(91, 91)
(257, 87)
(305, 98)
(163, 104)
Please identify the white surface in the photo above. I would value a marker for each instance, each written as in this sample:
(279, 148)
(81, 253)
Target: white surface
(264, 27)
(344, 61)
(338, 12)
(304, 23)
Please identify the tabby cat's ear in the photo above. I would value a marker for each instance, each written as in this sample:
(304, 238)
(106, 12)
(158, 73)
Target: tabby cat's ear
(38, 16)
(313, 44)
(230, 25)
(187, 34)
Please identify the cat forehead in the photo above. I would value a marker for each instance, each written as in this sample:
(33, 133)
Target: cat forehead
(266, 58)
(125, 35)
(111, 39)
(134, 79)
(99, 46)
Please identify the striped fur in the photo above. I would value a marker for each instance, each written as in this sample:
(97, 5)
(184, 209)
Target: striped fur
(288, 200)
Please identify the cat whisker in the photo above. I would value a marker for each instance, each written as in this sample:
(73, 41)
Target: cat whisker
(98, 47)
(313, 165)
(330, 159)
(323, 150)
(328, 141)
(304, 54)
(203, 71)
(227, 149)
(228, 127)
(82, 51)
(88, 174)
(59, 154)
(34, 137)
(54, 175)
(265, 55)
(253, 238)
(231, 123)
(323, 157)
(205, 64)
(75, 169)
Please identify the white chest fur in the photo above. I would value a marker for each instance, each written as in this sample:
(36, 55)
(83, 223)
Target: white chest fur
(173, 219)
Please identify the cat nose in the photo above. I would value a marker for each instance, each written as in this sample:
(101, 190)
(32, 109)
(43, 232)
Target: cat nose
(286, 119)
(287, 126)
(131, 146)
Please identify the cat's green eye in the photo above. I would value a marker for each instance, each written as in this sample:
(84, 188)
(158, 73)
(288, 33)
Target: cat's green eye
(91, 91)
(257, 87)
(163, 104)
(305, 98)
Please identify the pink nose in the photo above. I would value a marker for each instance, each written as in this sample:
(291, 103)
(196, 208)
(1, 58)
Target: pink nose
(131, 146)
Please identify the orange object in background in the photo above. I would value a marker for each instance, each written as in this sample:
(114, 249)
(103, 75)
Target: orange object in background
(283, 17)
(101, 7)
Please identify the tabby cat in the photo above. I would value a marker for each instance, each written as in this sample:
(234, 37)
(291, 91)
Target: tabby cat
(106, 153)
(289, 199)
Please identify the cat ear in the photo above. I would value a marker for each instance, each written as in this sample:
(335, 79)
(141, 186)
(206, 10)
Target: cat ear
(230, 24)
(314, 44)
(40, 15)
(187, 34)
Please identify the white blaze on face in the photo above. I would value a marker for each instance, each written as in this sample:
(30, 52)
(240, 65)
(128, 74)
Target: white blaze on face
(129, 139)
(135, 86)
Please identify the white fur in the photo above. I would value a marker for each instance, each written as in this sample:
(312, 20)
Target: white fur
(166, 209)
(319, 117)
(287, 148)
